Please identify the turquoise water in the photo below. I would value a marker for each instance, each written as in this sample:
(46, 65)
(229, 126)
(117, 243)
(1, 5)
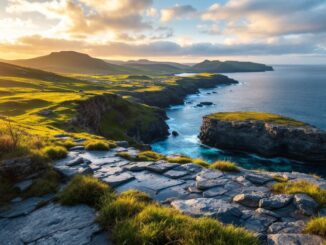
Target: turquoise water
(295, 91)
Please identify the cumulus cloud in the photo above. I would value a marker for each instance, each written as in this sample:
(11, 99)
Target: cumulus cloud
(262, 18)
(177, 12)
(78, 17)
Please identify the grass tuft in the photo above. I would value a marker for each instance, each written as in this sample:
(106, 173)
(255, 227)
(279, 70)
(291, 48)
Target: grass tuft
(83, 189)
(225, 166)
(47, 183)
(280, 178)
(149, 156)
(302, 186)
(97, 146)
(125, 155)
(180, 159)
(55, 152)
(316, 226)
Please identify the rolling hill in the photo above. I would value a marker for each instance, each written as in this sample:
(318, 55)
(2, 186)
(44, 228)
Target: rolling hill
(216, 66)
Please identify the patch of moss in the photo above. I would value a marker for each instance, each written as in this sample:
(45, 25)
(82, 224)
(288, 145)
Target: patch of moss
(83, 189)
(293, 187)
(258, 116)
(55, 152)
(316, 226)
(126, 155)
(225, 166)
(97, 146)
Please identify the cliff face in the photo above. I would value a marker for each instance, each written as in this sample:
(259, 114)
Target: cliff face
(111, 116)
(303, 143)
(175, 94)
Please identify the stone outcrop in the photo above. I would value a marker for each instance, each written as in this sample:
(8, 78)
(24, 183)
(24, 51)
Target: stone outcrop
(302, 143)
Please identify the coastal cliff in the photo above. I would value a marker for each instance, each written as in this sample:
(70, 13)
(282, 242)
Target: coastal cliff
(266, 134)
(176, 93)
(112, 116)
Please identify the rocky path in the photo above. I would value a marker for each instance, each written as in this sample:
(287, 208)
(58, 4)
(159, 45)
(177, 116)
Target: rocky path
(243, 199)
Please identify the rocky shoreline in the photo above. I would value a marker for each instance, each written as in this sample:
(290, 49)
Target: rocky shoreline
(299, 142)
(242, 198)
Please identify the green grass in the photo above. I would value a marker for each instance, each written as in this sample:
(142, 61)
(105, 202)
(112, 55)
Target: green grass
(7, 191)
(302, 186)
(259, 116)
(126, 155)
(225, 166)
(45, 184)
(97, 146)
(316, 226)
(83, 189)
(55, 152)
(280, 178)
(149, 156)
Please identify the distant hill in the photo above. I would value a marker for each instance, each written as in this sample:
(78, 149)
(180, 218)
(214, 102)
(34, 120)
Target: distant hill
(149, 62)
(72, 62)
(18, 71)
(229, 66)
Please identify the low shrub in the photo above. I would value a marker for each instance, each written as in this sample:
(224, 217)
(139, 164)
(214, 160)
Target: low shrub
(316, 226)
(302, 186)
(201, 162)
(84, 189)
(180, 160)
(149, 156)
(125, 155)
(47, 183)
(55, 152)
(97, 146)
(225, 166)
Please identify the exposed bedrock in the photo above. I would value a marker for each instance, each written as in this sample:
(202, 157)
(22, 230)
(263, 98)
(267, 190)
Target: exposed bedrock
(303, 143)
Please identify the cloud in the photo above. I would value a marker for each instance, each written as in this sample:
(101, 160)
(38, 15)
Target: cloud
(177, 12)
(85, 17)
(265, 18)
(26, 46)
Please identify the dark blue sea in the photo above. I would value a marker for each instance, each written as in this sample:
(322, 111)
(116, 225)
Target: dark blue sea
(291, 90)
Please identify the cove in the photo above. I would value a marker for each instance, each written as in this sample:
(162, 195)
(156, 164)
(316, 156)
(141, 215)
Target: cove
(298, 92)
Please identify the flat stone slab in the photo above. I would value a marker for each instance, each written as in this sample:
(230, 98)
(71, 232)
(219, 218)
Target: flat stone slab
(24, 185)
(52, 224)
(207, 174)
(24, 207)
(225, 212)
(139, 166)
(257, 222)
(213, 192)
(161, 167)
(151, 181)
(204, 184)
(175, 174)
(118, 179)
(275, 201)
(294, 239)
(258, 179)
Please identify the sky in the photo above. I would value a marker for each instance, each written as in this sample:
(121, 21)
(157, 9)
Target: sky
(271, 32)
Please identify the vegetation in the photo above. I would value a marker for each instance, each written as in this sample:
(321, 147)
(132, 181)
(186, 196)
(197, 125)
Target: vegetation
(302, 186)
(97, 146)
(316, 226)
(135, 219)
(83, 189)
(7, 191)
(126, 155)
(45, 184)
(280, 178)
(225, 166)
(185, 159)
(258, 116)
(149, 156)
(55, 152)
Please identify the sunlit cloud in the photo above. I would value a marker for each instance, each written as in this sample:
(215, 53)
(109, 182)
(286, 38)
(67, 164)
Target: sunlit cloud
(177, 12)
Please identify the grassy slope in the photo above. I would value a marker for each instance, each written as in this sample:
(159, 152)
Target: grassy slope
(259, 116)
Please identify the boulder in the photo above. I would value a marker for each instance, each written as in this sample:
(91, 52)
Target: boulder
(305, 204)
(286, 227)
(175, 133)
(294, 239)
(258, 179)
(249, 200)
(275, 201)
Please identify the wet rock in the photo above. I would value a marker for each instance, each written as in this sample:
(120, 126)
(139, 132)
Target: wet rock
(258, 179)
(74, 162)
(45, 112)
(190, 167)
(249, 200)
(275, 202)
(268, 212)
(115, 180)
(194, 189)
(286, 227)
(204, 103)
(305, 204)
(175, 133)
(79, 140)
(294, 239)
(204, 184)
(258, 222)
(139, 166)
(69, 172)
(77, 148)
(225, 212)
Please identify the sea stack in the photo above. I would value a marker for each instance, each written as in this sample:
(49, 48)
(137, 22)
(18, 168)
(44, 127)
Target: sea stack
(266, 134)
